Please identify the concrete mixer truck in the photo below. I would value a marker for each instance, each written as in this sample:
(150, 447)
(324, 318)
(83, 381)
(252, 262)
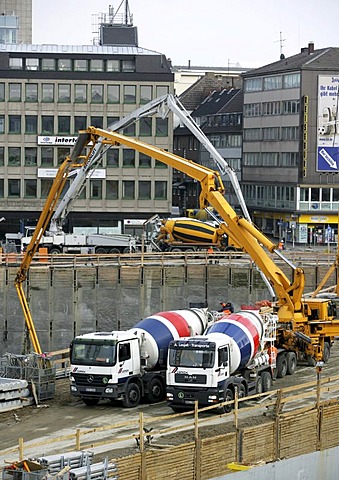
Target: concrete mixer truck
(188, 234)
(236, 352)
(131, 365)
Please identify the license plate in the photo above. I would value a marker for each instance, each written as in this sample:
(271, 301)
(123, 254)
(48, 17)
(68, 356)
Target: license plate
(90, 389)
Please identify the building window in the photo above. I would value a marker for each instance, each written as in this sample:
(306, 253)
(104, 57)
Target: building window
(64, 124)
(47, 124)
(15, 92)
(128, 157)
(15, 63)
(113, 93)
(290, 133)
(80, 65)
(14, 156)
(62, 153)
(251, 159)
(97, 122)
(252, 109)
(145, 93)
(158, 164)
(96, 65)
(64, 64)
(129, 131)
(269, 159)
(161, 127)
(291, 80)
(48, 64)
(253, 85)
(2, 123)
(80, 93)
(113, 66)
(129, 94)
(47, 92)
(112, 157)
(145, 127)
(1, 188)
(96, 189)
(2, 92)
(144, 190)
(128, 65)
(111, 121)
(289, 159)
(64, 93)
(45, 185)
(112, 189)
(128, 189)
(31, 156)
(291, 107)
(160, 190)
(252, 134)
(80, 123)
(13, 187)
(2, 156)
(31, 92)
(273, 83)
(145, 161)
(271, 108)
(271, 134)
(14, 124)
(32, 64)
(30, 187)
(97, 93)
(162, 90)
(47, 156)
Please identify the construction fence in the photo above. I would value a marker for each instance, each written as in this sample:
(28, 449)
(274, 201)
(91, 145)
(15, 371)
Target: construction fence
(260, 429)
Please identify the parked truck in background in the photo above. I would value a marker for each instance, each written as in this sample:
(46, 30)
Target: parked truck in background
(131, 365)
(186, 234)
(61, 242)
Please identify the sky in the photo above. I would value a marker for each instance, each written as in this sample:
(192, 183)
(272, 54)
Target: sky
(214, 33)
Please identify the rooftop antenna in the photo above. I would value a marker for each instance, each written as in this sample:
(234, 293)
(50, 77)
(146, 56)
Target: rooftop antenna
(281, 41)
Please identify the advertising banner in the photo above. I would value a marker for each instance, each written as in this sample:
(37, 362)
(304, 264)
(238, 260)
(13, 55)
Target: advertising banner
(328, 124)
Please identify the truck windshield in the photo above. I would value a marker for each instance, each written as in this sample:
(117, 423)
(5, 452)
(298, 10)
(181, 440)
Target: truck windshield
(188, 357)
(93, 352)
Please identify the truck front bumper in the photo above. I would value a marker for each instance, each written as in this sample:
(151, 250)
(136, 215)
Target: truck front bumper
(96, 392)
(183, 397)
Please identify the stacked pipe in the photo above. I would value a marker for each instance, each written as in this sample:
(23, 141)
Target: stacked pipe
(55, 463)
(96, 471)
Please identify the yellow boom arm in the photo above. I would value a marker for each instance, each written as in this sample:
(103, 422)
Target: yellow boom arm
(237, 228)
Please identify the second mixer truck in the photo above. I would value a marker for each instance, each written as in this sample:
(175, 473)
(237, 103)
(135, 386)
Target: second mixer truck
(237, 352)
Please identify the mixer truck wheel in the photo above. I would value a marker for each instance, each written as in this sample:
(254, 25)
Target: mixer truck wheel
(291, 359)
(132, 396)
(228, 397)
(258, 385)
(281, 365)
(266, 381)
(156, 391)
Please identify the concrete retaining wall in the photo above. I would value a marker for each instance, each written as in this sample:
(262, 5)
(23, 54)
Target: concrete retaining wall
(69, 300)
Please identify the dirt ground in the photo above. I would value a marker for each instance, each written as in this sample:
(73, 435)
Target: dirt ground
(64, 414)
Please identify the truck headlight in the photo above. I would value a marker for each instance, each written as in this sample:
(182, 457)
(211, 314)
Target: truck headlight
(108, 390)
(169, 396)
(212, 399)
(74, 388)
